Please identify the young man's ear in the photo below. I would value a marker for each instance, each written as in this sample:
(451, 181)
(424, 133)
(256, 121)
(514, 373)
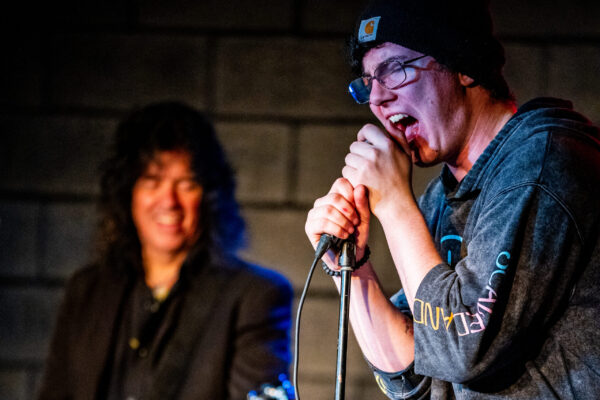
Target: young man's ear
(466, 80)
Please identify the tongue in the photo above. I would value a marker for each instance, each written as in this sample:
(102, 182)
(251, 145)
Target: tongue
(411, 129)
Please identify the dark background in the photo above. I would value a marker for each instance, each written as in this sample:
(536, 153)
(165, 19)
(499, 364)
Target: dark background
(271, 75)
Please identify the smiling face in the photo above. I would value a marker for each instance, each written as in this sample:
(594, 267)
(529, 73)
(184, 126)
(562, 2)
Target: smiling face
(428, 109)
(165, 205)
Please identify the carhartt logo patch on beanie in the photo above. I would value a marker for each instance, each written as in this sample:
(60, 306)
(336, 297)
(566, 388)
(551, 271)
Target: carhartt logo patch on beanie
(368, 29)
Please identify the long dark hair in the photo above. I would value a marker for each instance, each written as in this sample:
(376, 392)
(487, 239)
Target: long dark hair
(146, 131)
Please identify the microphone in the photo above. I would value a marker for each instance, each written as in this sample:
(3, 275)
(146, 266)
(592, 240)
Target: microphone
(345, 246)
(348, 253)
(326, 242)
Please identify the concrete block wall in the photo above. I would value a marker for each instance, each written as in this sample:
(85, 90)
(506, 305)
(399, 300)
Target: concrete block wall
(271, 75)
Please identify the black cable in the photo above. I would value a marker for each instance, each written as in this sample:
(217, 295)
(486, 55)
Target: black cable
(325, 243)
(297, 338)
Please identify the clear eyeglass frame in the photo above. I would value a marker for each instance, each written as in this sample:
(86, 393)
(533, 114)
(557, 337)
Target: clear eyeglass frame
(390, 74)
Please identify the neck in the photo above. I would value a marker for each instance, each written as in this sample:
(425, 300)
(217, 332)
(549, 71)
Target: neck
(485, 118)
(162, 270)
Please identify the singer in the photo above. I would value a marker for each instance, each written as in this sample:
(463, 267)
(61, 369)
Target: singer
(500, 258)
(167, 311)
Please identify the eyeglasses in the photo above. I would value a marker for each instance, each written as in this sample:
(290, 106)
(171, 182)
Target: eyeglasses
(390, 74)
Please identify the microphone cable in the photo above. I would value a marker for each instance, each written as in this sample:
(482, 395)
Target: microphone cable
(325, 243)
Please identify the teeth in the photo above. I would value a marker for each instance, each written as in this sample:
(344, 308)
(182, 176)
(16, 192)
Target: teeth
(168, 219)
(398, 117)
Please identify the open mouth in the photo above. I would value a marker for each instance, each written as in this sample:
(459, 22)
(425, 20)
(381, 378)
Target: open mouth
(402, 121)
(409, 126)
(405, 123)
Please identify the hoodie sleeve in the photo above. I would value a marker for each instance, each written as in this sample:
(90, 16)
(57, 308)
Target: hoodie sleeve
(481, 318)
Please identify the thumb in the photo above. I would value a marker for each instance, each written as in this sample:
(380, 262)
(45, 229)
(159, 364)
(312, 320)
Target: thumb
(361, 201)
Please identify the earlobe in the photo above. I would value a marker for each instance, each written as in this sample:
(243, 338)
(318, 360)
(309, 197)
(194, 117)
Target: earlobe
(466, 80)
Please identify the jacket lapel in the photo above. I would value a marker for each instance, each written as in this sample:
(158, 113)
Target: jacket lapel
(98, 335)
(201, 295)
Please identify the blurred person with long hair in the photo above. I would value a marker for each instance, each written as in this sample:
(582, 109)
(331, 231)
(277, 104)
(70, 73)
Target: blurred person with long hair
(167, 310)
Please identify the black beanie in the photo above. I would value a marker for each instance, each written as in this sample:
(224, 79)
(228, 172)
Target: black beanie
(458, 34)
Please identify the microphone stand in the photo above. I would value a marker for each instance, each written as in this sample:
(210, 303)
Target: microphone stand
(347, 262)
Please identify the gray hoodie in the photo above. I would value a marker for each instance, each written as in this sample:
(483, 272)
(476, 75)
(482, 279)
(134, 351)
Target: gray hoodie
(514, 311)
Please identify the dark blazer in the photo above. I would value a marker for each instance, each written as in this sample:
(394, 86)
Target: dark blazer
(232, 334)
